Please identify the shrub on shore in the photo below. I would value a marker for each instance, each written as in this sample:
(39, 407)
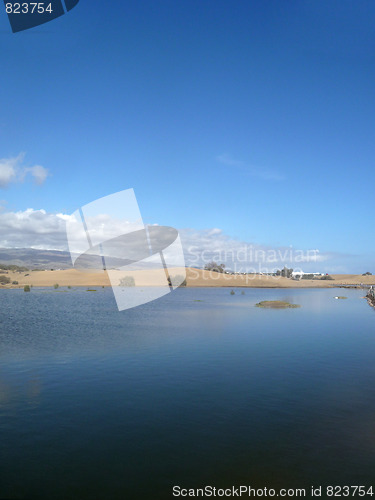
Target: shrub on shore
(327, 277)
(26, 288)
(127, 281)
(285, 273)
(56, 286)
(4, 280)
(176, 280)
(213, 266)
(13, 267)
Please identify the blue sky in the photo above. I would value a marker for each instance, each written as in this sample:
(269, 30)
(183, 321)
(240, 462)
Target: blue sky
(254, 117)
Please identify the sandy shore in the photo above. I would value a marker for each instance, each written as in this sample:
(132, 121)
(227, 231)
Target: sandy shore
(195, 278)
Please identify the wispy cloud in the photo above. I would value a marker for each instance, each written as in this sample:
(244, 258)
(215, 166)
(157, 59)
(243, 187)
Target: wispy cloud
(254, 171)
(13, 170)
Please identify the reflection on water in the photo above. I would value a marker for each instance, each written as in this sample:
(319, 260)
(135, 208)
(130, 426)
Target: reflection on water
(198, 388)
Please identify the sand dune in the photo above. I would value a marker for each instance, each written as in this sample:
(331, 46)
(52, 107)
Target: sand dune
(195, 278)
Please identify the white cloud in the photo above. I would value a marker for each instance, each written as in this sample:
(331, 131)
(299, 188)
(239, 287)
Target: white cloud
(12, 170)
(8, 171)
(39, 173)
(254, 171)
(32, 229)
(214, 231)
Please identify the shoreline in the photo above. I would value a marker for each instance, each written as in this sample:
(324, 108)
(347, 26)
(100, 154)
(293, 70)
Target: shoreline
(195, 278)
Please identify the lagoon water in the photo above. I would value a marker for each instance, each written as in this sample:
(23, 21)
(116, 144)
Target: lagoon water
(197, 388)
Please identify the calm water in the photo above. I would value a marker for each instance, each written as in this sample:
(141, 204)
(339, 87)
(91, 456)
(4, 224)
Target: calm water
(196, 388)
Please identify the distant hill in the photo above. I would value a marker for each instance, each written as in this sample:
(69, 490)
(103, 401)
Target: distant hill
(54, 259)
(36, 259)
